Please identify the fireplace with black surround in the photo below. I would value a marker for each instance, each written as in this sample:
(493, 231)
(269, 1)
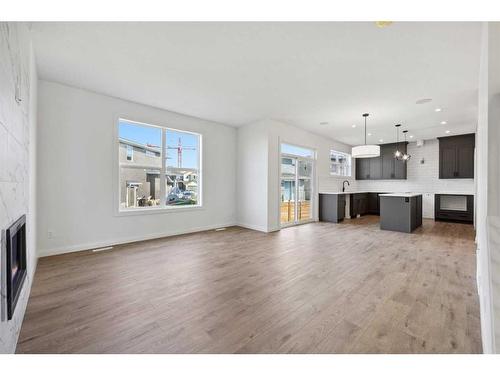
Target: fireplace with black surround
(15, 261)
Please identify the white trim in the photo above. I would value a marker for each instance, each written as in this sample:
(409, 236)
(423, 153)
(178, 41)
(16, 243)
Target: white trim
(259, 228)
(153, 210)
(126, 240)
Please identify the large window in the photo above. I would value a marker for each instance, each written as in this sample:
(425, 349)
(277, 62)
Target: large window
(340, 164)
(158, 167)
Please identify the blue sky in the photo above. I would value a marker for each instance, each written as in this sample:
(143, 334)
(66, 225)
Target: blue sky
(152, 136)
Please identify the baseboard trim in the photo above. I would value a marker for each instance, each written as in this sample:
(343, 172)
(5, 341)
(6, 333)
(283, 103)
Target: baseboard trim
(258, 228)
(95, 245)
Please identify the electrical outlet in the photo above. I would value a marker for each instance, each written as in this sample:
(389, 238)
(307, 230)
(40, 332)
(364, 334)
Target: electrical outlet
(50, 234)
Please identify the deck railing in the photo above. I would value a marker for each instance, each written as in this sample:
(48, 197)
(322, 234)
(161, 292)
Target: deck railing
(288, 211)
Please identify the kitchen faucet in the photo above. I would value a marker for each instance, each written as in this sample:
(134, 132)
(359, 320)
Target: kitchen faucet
(343, 185)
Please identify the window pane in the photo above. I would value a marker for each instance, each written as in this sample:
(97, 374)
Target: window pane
(340, 163)
(139, 144)
(182, 166)
(139, 188)
(304, 201)
(296, 150)
(287, 167)
(305, 168)
(153, 173)
(287, 201)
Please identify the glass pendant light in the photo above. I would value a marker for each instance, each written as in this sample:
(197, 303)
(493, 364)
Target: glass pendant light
(366, 151)
(397, 154)
(405, 156)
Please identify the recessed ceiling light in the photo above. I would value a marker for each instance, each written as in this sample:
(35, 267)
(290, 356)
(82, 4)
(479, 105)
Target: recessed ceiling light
(438, 110)
(447, 132)
(443, 122)
(324, 123)
(383, 24)
(381, 140)
(411, 136)
(369, 134)
(423, 101)
(353, 126)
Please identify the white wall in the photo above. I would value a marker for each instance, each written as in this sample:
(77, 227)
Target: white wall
(17, 160)
(493, 180)
(76, 166)
(251, 185)
(487, 188)
(259, 189)
(421, 178)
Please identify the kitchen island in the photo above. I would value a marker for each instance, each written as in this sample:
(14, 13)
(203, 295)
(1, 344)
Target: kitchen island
(401, 212)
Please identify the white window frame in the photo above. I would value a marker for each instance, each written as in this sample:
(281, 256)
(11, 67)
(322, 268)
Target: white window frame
(162, 208)
(330, 163)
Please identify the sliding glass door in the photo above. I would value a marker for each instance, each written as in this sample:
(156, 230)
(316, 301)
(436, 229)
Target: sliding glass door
(297, 165)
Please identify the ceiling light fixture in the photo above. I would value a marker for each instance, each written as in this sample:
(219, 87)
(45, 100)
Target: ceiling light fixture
(443, 122)
(405, 156)
(411, 136)
(447, 132)
(369, 134)
(397, 154)
(381, 140)
(383, 24)
(366, 151)
(353, 126)
(438, 110)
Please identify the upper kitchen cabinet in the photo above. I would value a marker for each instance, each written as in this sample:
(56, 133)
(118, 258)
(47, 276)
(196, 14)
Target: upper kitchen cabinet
(363, 168)
(456, 156)
(384, 167)
(368, 168)
(393, 169)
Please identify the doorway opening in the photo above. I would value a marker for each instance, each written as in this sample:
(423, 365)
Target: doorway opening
(297, 185)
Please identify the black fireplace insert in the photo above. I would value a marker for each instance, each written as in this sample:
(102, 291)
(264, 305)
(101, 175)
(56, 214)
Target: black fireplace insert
(15, 237)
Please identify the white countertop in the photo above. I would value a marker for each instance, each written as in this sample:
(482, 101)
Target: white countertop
(385, 193)
(344, 192)
(402, 195)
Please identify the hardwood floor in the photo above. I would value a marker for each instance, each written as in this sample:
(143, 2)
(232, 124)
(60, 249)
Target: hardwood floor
(315, 288)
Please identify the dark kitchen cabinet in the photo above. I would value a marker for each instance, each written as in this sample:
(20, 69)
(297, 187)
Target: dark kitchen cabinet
(384, 167)
(363, 168)
(400, 166)
(456, 156)
(454, 207)
(373, 204)
(331, 207)
(375, 168)
(392, 169)
(387, 156)
(358, 204)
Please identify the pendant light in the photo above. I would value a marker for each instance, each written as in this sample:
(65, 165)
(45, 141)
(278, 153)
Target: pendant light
(397, 154)
(366, 151)
(405, 156)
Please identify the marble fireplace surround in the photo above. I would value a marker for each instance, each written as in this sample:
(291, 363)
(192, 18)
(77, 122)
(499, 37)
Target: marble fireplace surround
(17, 161)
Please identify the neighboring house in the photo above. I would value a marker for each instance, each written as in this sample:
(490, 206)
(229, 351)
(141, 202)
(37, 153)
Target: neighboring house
(140, 168)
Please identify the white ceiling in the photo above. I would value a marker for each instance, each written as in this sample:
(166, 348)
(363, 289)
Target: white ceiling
(300, 73)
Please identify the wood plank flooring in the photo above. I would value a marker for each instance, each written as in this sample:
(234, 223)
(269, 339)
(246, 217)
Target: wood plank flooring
(315, 288)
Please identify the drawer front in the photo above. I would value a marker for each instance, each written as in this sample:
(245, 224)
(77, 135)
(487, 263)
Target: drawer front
(454, 215)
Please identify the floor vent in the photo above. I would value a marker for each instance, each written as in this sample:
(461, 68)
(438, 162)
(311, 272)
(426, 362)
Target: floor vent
(102, 249)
